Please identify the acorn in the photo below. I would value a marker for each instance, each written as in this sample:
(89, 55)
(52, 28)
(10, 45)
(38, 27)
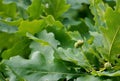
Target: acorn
(78, 43)
(107, 65)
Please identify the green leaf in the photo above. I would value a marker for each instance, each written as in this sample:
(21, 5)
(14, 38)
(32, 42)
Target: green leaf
(110, 74)
(4, 27)
(75, 35)
(45, 38)
(117, 6)
(8, 38)
(21, 6)
(21, 3)
(93, 78)
(56, 7)
(61, 35)
(98, 46)
(37, 68)
(90, 24)
(21, 47)
(7, 10)
(74, 56)
(31, 27)
(35, 9)
(36, 26)
(14, 23)
(78, 9)
(88, 78)
(98, 9)
(112, 34)
(1, 77)
(42, 64)
(50, 21)
(77, 3)
(82, 28)
(36, 39)
(59, 31)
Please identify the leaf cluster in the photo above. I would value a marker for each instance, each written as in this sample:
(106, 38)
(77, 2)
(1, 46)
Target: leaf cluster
(59, 40)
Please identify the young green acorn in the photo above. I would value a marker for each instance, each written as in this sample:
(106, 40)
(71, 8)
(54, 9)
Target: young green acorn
(78, 43)
(107, 65)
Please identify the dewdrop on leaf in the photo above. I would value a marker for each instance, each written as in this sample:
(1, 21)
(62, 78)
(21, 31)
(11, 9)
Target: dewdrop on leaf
(78, 43)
